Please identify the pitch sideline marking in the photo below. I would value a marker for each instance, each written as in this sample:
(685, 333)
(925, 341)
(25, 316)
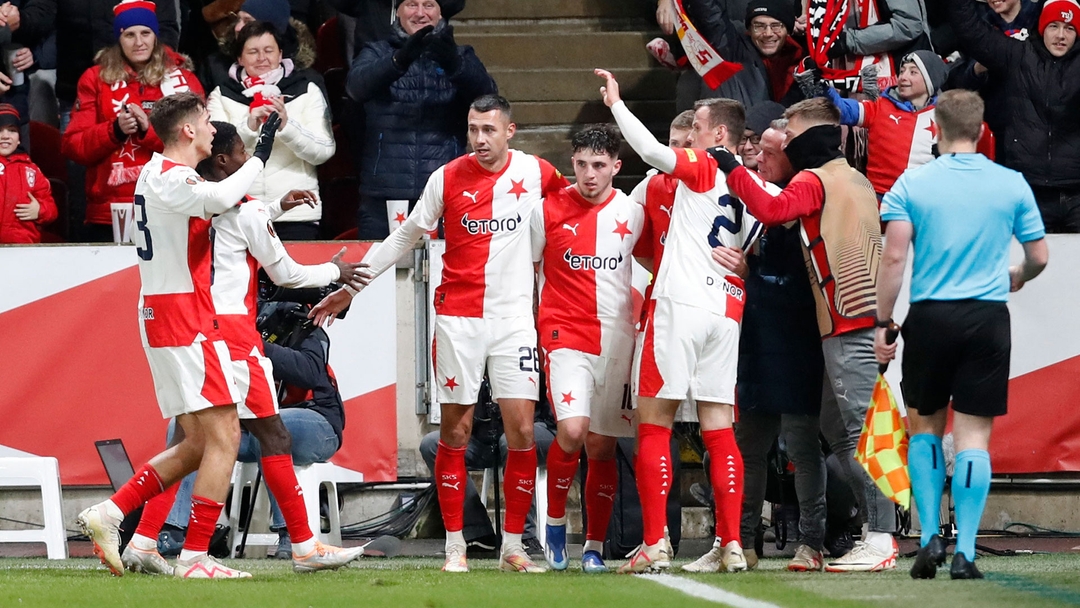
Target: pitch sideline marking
(706, 592)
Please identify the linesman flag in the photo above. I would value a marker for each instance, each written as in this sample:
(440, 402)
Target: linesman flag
(883, 446)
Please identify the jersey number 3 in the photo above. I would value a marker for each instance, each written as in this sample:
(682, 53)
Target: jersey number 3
(148, 253)
(725, 223)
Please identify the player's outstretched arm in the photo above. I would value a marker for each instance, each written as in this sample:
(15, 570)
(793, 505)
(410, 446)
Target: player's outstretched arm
(331, 306)
(637, 135)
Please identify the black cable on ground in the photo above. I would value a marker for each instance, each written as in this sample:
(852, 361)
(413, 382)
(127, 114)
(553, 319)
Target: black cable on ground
(396, 522)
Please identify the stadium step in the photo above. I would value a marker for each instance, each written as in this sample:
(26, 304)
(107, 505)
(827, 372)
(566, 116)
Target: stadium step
(542, 54)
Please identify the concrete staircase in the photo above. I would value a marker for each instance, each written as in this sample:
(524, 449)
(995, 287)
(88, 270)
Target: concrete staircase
(542, 54)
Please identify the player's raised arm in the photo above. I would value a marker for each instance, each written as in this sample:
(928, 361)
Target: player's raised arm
(637, 135)
(219, 197)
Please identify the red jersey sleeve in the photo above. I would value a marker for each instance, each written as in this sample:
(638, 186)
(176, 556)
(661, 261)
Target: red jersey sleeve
(644, 246)
(551, 179)
(803, 197)
(695, 168)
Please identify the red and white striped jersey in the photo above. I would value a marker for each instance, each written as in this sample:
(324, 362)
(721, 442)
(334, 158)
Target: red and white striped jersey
(586, 267)
(173, 243)
(657, 194)
(487, 266)
(705, 216)
(243, 239)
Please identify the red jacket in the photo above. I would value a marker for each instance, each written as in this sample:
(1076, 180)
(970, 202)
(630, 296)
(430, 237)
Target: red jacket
(19, 177)
(112, 165)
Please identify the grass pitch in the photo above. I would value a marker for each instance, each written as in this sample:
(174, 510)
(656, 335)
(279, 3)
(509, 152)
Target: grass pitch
(1039, 580)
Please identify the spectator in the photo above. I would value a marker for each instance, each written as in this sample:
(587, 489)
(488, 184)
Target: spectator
(297, 43)
(315, 426)
(487, 448)
(263, 81)
(1040, 97)
(780, 371)
(766, 50)
(1014, 18)
(110, 132)
(18, 60)
(758, 119)
(28, 201)
(416, 88)
(877, 32)
(899, 124)
(373, 19)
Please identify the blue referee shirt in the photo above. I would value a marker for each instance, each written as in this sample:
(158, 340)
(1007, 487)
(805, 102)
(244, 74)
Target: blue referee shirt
(965, 209)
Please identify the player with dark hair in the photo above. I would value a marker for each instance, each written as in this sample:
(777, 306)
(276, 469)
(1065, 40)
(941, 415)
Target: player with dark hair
(188, 359)
(244, 240)
(583, 238)
(691, 336)
(957, 337)
(483, 312)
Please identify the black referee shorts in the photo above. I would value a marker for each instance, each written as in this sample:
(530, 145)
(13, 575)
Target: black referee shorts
(959, 350)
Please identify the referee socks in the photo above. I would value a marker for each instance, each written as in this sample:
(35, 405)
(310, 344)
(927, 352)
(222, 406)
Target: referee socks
(926, 465)
(970, 485)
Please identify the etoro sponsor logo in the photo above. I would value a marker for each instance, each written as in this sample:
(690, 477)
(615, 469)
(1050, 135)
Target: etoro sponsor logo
(591, 262)
(490, 226)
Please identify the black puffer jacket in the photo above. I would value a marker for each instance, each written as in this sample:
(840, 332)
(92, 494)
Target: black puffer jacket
(84, 27)
(780, 360)
(416, 120)
(1041, 136)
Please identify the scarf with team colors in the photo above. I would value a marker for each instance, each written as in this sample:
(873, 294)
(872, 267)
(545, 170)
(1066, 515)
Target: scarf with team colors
(824, 26)
(261, 89)
(708, 63)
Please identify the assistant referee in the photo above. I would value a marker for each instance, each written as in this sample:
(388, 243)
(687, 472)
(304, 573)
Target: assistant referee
(960, 213)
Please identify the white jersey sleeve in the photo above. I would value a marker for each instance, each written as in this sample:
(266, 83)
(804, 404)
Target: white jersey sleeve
(538, 232)
(265, 246)
(639, 193)
(185, 192)
(424, 217)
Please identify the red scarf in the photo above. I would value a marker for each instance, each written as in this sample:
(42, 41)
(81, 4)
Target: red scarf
(781, 68)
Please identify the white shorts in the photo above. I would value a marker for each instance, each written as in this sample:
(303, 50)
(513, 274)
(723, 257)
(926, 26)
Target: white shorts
(592, 386)
(465, 346)
(188, 379)
(687, 351)
(687, 411)
(254, 377)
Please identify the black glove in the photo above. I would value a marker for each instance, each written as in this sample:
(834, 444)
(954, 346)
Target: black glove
(442, 48)
(724, 159)
(265, 144)
(412, 49)
(808, 77)
(839, 48)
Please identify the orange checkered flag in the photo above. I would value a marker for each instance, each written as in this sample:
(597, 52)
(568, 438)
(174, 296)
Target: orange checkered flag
(883, 446)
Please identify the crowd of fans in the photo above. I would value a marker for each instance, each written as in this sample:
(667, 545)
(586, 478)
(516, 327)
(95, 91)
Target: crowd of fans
(395, 83)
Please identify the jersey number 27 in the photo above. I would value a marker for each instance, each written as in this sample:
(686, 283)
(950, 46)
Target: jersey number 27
(725, 223)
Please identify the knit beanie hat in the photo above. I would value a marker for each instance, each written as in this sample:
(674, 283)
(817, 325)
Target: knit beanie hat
(761, 115)
(9, 116)
(130, 13)
(276, 12)
(931, 66)
(781, 10)
(1066, 11)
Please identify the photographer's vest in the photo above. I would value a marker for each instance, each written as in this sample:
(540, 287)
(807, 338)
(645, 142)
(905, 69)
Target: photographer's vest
(842, 247)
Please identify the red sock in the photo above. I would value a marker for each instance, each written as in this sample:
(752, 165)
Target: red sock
(450, 474)
(561, 469)
(156, 512)
(145, 485)
(600, 496)
(204, 516)
(726, 475)
(518, 485)
(653, 479)
(281, 480)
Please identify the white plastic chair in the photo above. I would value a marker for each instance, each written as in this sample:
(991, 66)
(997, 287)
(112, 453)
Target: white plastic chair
(38, 472)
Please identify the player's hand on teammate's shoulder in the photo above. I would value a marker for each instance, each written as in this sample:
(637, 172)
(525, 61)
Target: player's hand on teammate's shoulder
(610, 90)
(352, 274)
(330, 307)
(295, 198)
(733, 259)
(724, 159)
